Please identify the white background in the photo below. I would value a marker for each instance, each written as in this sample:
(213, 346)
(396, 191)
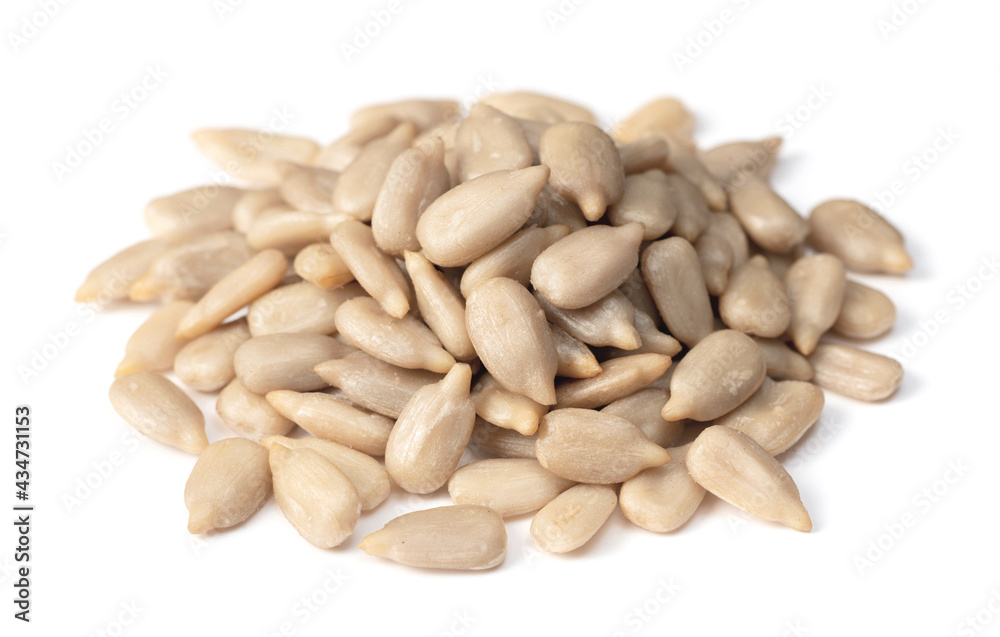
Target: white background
(889, 96)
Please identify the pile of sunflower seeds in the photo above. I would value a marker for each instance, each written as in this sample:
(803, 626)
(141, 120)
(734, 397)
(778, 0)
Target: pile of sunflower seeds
(518, 280)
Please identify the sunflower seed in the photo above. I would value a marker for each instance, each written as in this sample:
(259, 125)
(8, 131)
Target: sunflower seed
(531, 105)
(778, 414)
(715, 377)
(645, 153)
(309, 188)
(188, 269)
(509, 486)
(575, 360)
(249, 414)
(285, 361)
(238, 288)
(464, 537)
(341, 152)
(716, 258)
(512, 338)
(253, 204)
(642, 409)
(500, 442)
(610, 321)
(230, 481)
(755, 301)
(431, 433)
(256, 156)
(473, 218)
(489, 140)
(727, 227)
(315, 496)
(861, 237)
(586, 167)
(784, 363)
(154, 345)
(202, 209)
(533, 131)
(374, 384)
(815, 287)
(733, 467)
(359, 183)
(441, 306)
(854, 372)
(364, 472)
(673, 273)
(767, 218)
(683, 160)
(291, 230)
(653, 340)
(732, 163)
(662, 499)
(620, 377)
(300, 308)
(552, 209)
(637, 292)
(206, 363)
(865, 312)
(159, 409)
(662, 114)
(330, 418)
(647, 199)
(424, 114)
(594, 447)
(498, 405)
(513, 258)
(573, 517)
(320, 264)
(377, 272)
(111, 280)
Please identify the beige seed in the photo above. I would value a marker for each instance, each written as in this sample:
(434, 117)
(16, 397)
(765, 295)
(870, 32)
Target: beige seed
(403, 342)
(416, 178)
(249, 414)
(320, 264)
(673, 273)
(377, 272)
(473, 218)
(662, 114)
(594, 447)
(359, 184)
(431, 433)
(620, 377)
(586, 167)
(238, 288)
(861, 237)
(637, 292)
(300, 308)
(716, 258)
(715, 377)
(610, 321)
(255, 156)
(530, 105)
(647, 199)
(110, 281)
(330, 418)
(285, 361)
(781, 263)
(315, 496)
(586, 266)
(509, 486)
(552, 209)
(441, 306)
(445, 132)
(767, 218)
(230, 481)
(683, 160)
(291, 230)
(188, 269)
(512, 338)
(690, 210)
(489, 140)
(574, 517)
(424, 113)
(662, 499)
(575, 360)
(364, 472)
(653, 340)
(726, 226)
(253, 204)
(154, 345)
(778, 414)
(513, 258)
(854, 372)
(533, 131)
(500, 442)
(464, 537)
(309, 188)
(865, 312)
(498, 405)
(784, 363)
(159, 409)
(645, 153)
(341, 152)
(732, 163)
(642, 409)
(733, 467)
(755, 301)
(201, 209)
(374, 384)
(206, 363)
(815, 287)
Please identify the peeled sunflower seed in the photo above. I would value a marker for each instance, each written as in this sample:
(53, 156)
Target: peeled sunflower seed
(377, 272)
(673, 274)
(767, 218)
(732, 163)
(513, 258)
(637, 292)
(498, 405)
(594, 447)
(665, 114)
(738, 470)
(415, 179)
(474, 217)
(359, 183)
(575, 360)
(330, 418)
(778, 414)
(202, 209)
(610, 321)
(552, 209)
(619, 378)
(727, 227)
(509, 486)
(154, 345)
(489, 140)
(462, 537)
(249, 414)
(315, 496)
(854, 372)
(403, 342)
(586, 266)
(256, 156)
(512, 338)
(424, 114)
(691, 211)
(645, 153)
(815, 287)
(374, 384)
(573, 517)
(364, 472)
(291, 230)
(683, 160)
(300, 308)
(535, 105)
(206, 363)
(715, 377)
(261, 273)
(642, 409)
(253, 204)
(653, 340)
(431, 433)
(309, 188)
(441, 306)
(865, 312)
(716, 258)
(646, 200)
(188, 269)
(861, 237)
(662, 499)
(341, 152)
(285, 361)
(320, 264)
(111, 280)
(755, 301)
(784, 363)
(159, 409)
(500, 442)
(585, 164)
(230, 481)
